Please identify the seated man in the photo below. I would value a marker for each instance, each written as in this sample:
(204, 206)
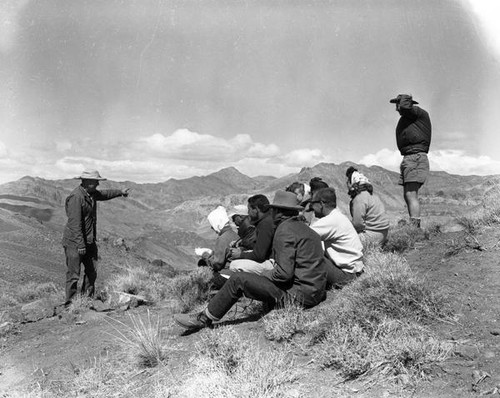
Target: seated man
(256, 260)
(299, 274)
(342, 244)
(303, 193)
(367, 210)
(219, 221)
(246, 231)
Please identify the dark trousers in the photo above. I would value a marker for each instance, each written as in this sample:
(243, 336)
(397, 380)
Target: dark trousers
(240, 284)
(73, 264)
(336, 277)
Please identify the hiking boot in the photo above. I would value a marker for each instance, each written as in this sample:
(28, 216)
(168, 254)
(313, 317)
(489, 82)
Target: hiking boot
(193, 321)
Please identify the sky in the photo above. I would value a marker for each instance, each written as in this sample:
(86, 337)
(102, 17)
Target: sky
(150, 90)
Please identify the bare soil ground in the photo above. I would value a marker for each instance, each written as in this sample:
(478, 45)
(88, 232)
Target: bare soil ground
(54, 349)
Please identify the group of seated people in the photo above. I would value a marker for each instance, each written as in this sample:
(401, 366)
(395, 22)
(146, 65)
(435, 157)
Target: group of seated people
(293, 249)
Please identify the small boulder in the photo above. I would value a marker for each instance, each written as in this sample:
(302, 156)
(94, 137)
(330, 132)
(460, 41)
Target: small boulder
(124, 301)
(36, 310)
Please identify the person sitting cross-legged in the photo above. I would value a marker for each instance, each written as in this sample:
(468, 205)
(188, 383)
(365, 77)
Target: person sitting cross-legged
(342, 244)
(299, 273)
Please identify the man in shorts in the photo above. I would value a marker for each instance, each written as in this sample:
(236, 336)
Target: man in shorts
(413, 137)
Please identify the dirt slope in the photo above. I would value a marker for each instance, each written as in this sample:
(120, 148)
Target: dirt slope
(52, 349)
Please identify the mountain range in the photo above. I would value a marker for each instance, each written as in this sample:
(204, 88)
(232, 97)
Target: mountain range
(167, 220)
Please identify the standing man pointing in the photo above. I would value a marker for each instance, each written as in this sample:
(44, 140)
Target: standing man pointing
(413, 137)
(79, 237)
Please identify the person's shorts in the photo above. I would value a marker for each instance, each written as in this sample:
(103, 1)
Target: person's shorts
(414, 168)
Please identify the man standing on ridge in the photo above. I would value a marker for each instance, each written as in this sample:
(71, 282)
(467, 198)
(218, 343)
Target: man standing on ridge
(413, 137)
(79, 237)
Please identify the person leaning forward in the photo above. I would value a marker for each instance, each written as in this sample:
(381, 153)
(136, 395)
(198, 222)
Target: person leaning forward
(413, 137)
(258, 259)
(299, 273)
(79, 236)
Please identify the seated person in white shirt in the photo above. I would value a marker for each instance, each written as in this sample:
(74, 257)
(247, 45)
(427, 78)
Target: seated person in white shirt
(342, 244)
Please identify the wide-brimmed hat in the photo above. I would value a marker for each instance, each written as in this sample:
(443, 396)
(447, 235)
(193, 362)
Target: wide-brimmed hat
(286, 200)
(399, 97)
(90, 175)
(238, 210)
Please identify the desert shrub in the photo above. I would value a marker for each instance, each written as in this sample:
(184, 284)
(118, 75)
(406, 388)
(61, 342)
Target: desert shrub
(32, 291)
(391, 349)
(233, 367)
(282, 324)
(191, 289)
(28, 292)
(355, 329)
(80, 304)
(149, 281)
(404, 237)
(143, 339)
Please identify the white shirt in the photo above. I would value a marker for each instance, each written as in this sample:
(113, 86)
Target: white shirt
(341, 241)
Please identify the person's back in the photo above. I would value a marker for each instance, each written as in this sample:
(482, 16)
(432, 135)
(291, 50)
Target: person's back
(306, 278)
(368, 213)
(342, 243)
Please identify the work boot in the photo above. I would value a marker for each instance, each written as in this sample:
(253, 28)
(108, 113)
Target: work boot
(415, 222)
(193, 321)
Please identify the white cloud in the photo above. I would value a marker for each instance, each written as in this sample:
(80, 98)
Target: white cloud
(303, 157)
(458, 162)
(187, 145)
(451, 161)
(386, 158)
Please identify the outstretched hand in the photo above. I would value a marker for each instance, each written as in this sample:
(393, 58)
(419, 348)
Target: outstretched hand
(125, 192)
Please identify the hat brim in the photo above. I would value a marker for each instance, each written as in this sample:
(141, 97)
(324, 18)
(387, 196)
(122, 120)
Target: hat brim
(87, 178)
(298, 208)
(395, 101)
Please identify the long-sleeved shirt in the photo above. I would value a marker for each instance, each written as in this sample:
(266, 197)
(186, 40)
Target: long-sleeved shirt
(299, 262)
(264, 231)
(81, 209)
(368, 213)
(414, 130)
(218, 258)
(342, 243)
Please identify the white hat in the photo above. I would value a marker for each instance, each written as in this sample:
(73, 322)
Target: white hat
(218, 218)
(240, 210)
(90, 175)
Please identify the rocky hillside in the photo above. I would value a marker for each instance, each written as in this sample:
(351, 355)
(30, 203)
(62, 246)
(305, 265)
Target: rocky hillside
(168, 219)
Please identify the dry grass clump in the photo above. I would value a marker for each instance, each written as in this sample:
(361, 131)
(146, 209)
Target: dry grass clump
(404, 237)
(391, 348)
(192, 289)
(80, 304)
(29, 292)
(189, 290)
(143, 339)
(148, 281)
(228, 366)
(373, 325)
(284, 323)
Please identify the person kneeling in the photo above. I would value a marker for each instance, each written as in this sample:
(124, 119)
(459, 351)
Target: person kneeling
(299, 272)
